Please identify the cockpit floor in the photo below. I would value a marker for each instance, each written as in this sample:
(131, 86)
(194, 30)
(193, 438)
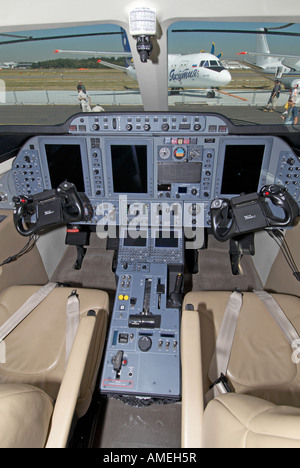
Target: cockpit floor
(214, 270)
(95, 272)
(126, 426)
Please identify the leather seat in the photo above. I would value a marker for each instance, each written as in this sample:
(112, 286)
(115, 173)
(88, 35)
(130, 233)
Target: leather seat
(35, 350)
(25, 415)
(241, 421)
(261, 362)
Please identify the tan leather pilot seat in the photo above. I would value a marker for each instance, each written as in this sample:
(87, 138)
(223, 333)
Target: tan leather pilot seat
(35, 354)
(243, 421)
(25, 416)
(260, 365)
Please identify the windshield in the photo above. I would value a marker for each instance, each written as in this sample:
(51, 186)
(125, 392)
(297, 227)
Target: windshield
(248, 72)
(49, 75)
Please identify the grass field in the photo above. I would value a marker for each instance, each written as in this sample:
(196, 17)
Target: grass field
(66, 79)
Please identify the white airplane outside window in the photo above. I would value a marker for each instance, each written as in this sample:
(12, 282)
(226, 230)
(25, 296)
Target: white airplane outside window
(201, 70)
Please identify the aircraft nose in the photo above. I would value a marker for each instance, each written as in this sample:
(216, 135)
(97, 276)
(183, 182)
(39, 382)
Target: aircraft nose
(225, 77)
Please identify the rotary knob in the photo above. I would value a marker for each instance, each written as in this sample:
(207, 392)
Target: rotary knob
(145, 343)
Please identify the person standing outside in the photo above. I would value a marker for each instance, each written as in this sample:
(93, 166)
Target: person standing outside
(294, 94)
(272, 103)
(291, 116)
(84, 99)
(81, 86)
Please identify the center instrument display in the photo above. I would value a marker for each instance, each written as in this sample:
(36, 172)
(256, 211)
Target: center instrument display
(169, 158)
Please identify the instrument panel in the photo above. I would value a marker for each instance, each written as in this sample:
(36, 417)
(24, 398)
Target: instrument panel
(180, 162)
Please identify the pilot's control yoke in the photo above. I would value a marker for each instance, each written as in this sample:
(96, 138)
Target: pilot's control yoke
(272, 207)
(49, 208)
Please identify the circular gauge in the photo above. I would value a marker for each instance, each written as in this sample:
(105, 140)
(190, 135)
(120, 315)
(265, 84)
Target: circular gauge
(195, 152)
(164, 153)
(179, 153)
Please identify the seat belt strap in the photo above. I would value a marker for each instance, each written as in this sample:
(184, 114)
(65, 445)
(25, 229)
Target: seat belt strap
(277, 313)
(25, 309)
(220, 360)
(219, 364)
(72, 318)
(72, 321)
(13, 321)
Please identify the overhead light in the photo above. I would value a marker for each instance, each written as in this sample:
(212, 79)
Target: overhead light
(142, 21)
(142, 26)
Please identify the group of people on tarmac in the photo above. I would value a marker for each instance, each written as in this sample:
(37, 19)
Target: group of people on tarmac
(85, 100)
(290, 114)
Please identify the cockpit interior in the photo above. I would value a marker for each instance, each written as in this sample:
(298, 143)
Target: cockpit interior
(149, 270)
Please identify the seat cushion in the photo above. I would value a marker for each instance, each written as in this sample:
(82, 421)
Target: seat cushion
(25, 415)
(35, 349)
(242, 421)
(261, 358)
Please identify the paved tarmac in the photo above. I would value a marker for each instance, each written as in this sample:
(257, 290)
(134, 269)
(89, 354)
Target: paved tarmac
(54, 115)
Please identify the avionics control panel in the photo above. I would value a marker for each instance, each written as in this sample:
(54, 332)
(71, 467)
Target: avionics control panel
(121, 160)
(143, 348)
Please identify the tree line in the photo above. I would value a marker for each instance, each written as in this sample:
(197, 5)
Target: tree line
(76, 63)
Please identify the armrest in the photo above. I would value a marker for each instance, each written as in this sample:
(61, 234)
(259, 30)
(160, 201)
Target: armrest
(192, 387)
(68, 393)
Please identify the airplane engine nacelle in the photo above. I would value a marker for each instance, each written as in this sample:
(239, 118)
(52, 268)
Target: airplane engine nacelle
(131, 72)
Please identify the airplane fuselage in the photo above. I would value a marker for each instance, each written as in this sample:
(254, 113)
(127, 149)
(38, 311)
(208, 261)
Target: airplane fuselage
(285, 68)
(193, 71)
(197, 70)
(287, 77)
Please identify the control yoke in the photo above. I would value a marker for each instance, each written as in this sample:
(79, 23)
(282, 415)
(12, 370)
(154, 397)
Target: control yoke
(47, 209)
(272, 207)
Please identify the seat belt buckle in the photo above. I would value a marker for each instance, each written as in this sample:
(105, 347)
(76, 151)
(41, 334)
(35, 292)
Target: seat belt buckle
(221, 381)
(74, 293)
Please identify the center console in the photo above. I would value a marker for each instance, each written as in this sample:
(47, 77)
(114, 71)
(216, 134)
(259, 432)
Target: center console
(143, 348)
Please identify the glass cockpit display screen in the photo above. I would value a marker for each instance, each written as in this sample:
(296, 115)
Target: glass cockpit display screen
(242, 168)
(64, 163)
(135, 241)
(129, 168)
(166, 239)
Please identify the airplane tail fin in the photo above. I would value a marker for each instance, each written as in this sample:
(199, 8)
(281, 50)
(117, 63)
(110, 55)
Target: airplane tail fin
(212, 51)
(126, 47)
(262, 47)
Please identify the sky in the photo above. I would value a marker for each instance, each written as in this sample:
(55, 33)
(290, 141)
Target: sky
(192, 42)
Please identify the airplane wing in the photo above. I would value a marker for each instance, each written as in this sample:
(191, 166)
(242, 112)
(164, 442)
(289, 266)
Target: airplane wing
(94, 52)
(112, 65)
(126, 54)
(252, 66)
(291, 61)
